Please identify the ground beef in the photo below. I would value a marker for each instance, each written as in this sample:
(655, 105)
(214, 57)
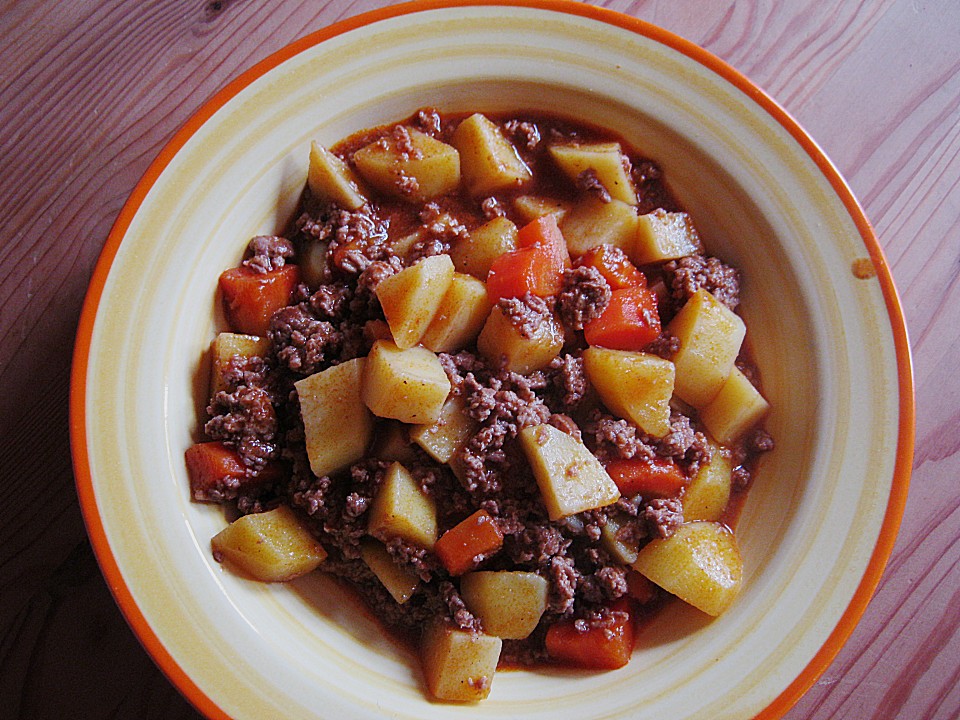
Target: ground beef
(457, 609)
(492, 208)
(663, 516)
(688, 274)
(568, 384)
(355, 237)
(666, 345)
(404, 143)
(523, 133)
(526, 313)
(427, 121)
(613, 438)
(248, 370)
(584, 296)
(588, 182)
(564, 577)
(268, 252)
(246, 420)
(304, 345)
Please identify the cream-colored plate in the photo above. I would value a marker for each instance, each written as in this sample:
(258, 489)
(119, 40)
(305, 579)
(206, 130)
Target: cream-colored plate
(832, 349)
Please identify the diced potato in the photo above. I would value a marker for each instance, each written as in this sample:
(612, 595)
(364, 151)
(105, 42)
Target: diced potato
(570, 477)
(700, 563)
(735, 409)
(634, 385)
(272, 546)
(411, 297)
(400, 582)
(488, 161)
(313, 262)
(663, 236)
(475, 255)
(508, 603)
(448, 434)
(337, 423)
(401, 509)
(426, 170)
(459, 317)
(458, 665)
(708, 493)
(530, 207)
(592, 222)
(710, 336)
(406, 385)
(331, 179)
(501, 339)
(622, 551)
(604, 159)
(392, 443)
(225, 346)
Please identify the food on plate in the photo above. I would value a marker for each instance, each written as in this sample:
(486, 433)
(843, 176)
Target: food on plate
(491, 379)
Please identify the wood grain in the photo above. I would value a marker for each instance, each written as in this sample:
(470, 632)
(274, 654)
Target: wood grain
(90, 91)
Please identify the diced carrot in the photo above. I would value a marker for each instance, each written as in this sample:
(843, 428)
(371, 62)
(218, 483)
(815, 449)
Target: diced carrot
(251, 298)
(629, 322)
(459, 546)
(545, 232)
(213, 467)
(606, 646)
(657, 477)
(534, 270)
(614, 265)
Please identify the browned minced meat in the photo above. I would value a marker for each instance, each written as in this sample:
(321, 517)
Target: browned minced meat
(567, 383)
(268, 252)
(615, 438)
(245, 419)
(427, 121)
(524, 133)
(584, 296)
(688, 274)
(526, 313)
(355, 238)
(666, 345)
(664, 516)
(588, 182)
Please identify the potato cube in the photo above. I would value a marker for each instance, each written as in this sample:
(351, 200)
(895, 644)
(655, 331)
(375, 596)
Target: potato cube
(411, 297)
(604, 160)
(634, 385)
(458, 665)
(399, 581)
(708, 493)
(710, 336)
(410, 165)
(332, 180)
(624, 551)
(570, 477)
(592, 222)
(459, 317)
(400, 509)
(225, 346)
(500, 339)
(700, 564)
(486, 243)
(448, 434)
(508, 603)
(272, 546)
(392, 443)
(531, 207)
(406, 385)
(662, 236)
(735, 409)
(488, 161)
(337, 423)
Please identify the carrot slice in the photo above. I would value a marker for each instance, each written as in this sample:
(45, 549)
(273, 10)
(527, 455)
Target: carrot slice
(251, 298)
(657, 477)
(629, 322)
(604, 646)
(459, 547)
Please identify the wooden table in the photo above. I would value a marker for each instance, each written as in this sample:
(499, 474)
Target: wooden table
(92, 90)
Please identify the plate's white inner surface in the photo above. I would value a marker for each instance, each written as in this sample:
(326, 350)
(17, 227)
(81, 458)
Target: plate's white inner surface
(821, 339)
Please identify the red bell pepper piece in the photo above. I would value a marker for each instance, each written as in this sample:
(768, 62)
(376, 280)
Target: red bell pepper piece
(251, 298)
(614, 265)
(459, 546)
(604, 647)
(657, 477)
(629, 322)
(215, 468)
